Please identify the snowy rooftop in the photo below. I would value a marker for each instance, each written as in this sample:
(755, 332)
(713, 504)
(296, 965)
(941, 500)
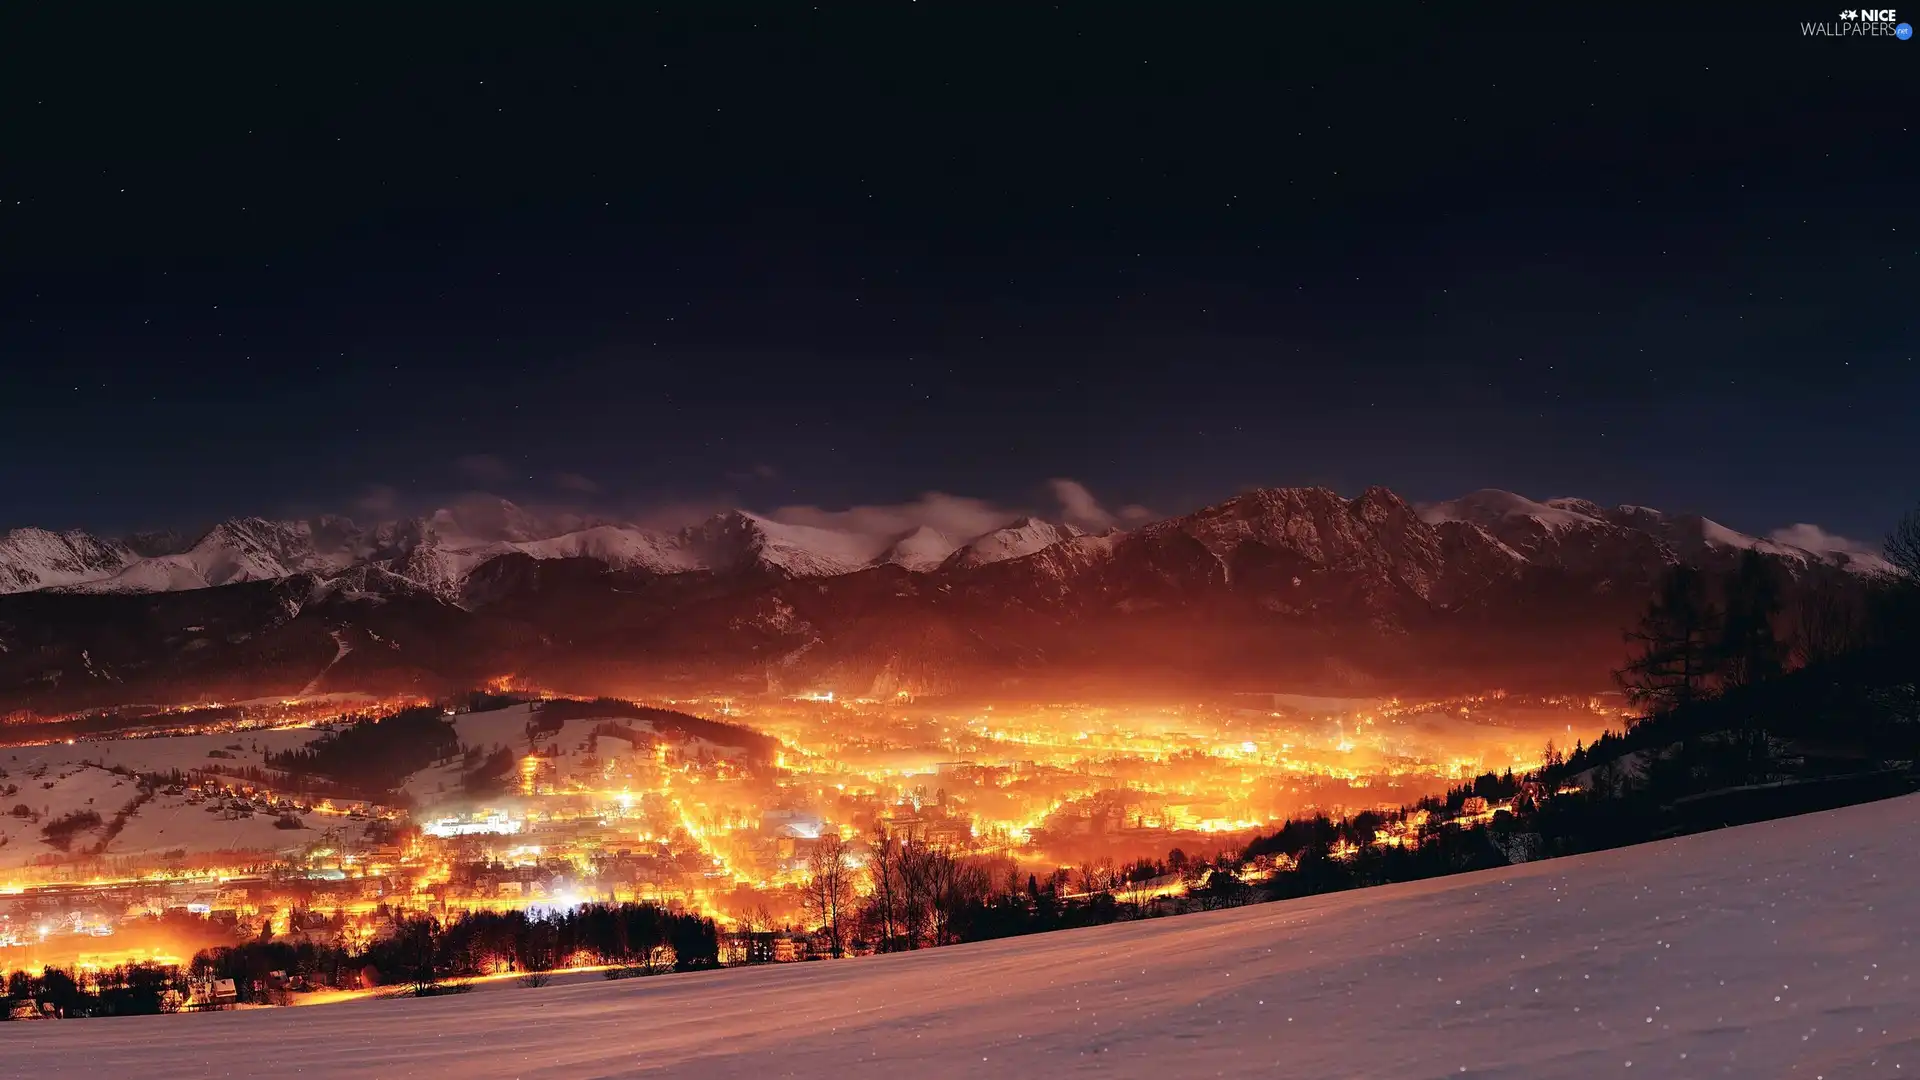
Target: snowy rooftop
(1781, 949)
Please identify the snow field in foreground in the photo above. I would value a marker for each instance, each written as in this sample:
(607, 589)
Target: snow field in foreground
(1774, 950)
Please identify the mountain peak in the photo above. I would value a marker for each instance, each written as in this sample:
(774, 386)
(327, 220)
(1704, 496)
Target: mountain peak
(1018, 538)
(739, 540)
(33, 558)
(921, 548)
(484, 518)
(1493, 506)
(1378, 504)
(152, 542)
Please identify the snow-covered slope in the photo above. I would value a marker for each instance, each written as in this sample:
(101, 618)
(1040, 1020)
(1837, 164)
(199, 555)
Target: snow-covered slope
(1781, 949)
(1022, 537)
(737, 540)
(58, 779)
(1579, 532)
(38, 559)
(480, 520)
(924, 548)
(1492, 507)
(621, 547)
(438, 551)
(245, 549)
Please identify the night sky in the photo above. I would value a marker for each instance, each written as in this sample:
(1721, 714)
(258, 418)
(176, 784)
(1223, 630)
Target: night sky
(848, 254)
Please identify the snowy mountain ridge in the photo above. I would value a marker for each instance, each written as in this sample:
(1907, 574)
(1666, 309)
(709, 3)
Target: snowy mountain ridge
(1538, 529)
(1012, 541)
(438, 551)
(37, 559)
(923, 548)
(1489, 529)
(1488, 590)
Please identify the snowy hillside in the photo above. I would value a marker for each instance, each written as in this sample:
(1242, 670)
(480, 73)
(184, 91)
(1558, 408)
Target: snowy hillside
(1558, 531)
(481, 520)
(1780, 949)
(922, 549)
(621, 547)
(439, 551)
(738, 540)
(38, 559)
(1491, 507)
(1021, 538)
(571, 754)
(55, 780)
(246, 549)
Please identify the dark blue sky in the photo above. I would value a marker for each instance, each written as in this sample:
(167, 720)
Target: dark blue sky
(848, 254)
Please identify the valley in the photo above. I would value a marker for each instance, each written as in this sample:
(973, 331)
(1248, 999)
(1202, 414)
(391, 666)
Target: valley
(201, 826)
(1762, 950)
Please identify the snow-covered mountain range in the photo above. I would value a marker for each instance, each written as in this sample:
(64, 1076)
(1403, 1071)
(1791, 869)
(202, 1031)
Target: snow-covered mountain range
(1295, 584)
(439, 551)
(1561, 529)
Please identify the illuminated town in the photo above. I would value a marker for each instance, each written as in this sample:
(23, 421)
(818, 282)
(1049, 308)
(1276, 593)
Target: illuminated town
(201, 831)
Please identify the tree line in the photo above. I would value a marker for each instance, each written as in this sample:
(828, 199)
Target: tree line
(127, 990)
(375, 755)
(418, 955)
(422, 954)
(1752, 706)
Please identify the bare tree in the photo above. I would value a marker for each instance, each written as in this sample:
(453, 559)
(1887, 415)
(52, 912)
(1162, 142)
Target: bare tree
(761, 919)
(1097, 877)
(422, 959)
(883, 872)
(829, 890)
(962, 884)
(1136, 892)
(1896, 619)
(1902, 548)
(1827, 623)
(939, 878)
(1012, 880)
(755, 921)
(919, 871)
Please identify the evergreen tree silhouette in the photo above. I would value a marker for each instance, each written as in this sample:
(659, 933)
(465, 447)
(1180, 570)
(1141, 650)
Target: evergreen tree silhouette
(1677, 645)
(1750, 650)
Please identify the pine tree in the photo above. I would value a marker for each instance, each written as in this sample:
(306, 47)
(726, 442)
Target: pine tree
(1750, 651)
(1677, 645)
